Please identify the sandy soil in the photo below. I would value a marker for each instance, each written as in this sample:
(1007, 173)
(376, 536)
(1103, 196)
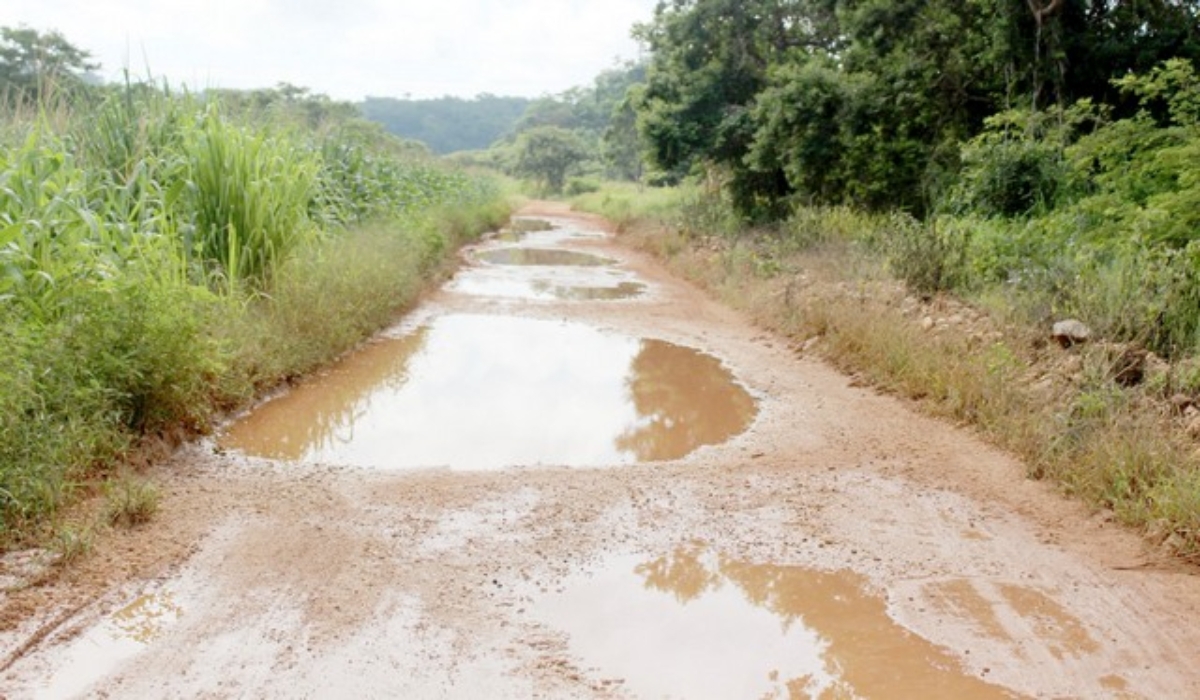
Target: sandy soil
(958, 576)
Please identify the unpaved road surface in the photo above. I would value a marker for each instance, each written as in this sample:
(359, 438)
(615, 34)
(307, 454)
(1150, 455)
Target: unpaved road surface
(842, 546)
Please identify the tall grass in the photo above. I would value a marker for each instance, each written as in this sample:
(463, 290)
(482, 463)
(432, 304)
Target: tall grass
(163, 257)
(248, 194)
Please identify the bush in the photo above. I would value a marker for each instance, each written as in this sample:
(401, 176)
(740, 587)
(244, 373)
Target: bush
(579, 185)
(931, 256)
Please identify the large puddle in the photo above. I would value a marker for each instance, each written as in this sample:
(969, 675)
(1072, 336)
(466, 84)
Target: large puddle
(116, 639)
(696, 624)
(485, 392)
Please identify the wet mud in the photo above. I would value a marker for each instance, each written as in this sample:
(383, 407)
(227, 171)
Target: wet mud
(746, 524)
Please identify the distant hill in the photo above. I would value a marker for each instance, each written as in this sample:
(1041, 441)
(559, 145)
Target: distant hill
(448, 124)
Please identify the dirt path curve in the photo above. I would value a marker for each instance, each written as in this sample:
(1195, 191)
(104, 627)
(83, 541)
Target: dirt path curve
(843, 546)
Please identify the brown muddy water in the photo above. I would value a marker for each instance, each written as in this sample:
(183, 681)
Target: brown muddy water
(539, 269)
(697, 623)
(488, 391)
(564, 283)
(119, 637)
(475, 391)
(541, 257)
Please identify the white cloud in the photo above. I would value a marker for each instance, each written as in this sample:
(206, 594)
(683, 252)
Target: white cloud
(352, 48)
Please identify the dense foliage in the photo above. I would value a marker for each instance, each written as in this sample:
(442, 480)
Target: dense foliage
(868, 101)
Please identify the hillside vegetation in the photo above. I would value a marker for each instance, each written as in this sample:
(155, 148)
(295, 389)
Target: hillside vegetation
(448, 124)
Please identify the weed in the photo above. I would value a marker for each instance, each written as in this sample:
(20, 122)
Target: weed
(130, 500)
(71, 543)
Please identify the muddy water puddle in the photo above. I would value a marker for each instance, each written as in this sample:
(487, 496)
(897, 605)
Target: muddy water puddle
(535, 270)
(541, 257)
(485, 392)
(117, 638)
(697, 624)
(548, 284)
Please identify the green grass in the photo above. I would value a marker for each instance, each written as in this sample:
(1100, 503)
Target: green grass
(163, 259)
(130, 500)
(624, 203)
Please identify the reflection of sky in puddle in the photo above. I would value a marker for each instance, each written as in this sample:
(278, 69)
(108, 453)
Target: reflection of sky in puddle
(699, 625)
(540, 257)
(491, 391)
(548, 283)
(118, 638)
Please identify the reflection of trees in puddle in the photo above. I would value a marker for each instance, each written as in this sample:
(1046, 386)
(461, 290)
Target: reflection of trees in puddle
(523, 225)
(146, 617)
(322, 413)
(542, 257)
(623, 290)
(684, 399)
(868, 653)
(384, 367)
(651, 400)
(680, 574)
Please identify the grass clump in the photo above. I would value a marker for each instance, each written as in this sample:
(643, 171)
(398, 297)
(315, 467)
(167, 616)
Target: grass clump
(130, 500)
(71, 543)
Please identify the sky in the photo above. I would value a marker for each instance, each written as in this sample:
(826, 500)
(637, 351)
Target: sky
(349, 49)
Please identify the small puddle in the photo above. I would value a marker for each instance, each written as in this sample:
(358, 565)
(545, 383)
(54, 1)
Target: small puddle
(486, 392)
(697, 624)
(121, 636)
(622, 290)
(556, 284)
(541, 257)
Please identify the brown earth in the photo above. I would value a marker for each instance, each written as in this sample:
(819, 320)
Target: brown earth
(924, 560)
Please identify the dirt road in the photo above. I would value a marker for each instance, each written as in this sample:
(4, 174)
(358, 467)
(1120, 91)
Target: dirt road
(841, 546)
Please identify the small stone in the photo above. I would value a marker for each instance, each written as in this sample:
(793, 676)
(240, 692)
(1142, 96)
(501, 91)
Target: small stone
(1181, 403)
(1193, 428)
(1070, 332)
(927, 323)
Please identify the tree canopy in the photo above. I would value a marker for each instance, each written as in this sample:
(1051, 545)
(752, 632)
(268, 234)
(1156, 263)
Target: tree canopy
(33, 62)
(869, 101)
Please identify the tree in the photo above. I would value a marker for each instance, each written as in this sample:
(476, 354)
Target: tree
(546, 153)
(33, 63)
(710, 60)
(621, 146)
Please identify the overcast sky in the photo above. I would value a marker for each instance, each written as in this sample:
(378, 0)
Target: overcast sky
(349, 49)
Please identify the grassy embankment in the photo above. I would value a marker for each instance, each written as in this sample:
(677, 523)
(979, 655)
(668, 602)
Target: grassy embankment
(164, 259)
(913, 308)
